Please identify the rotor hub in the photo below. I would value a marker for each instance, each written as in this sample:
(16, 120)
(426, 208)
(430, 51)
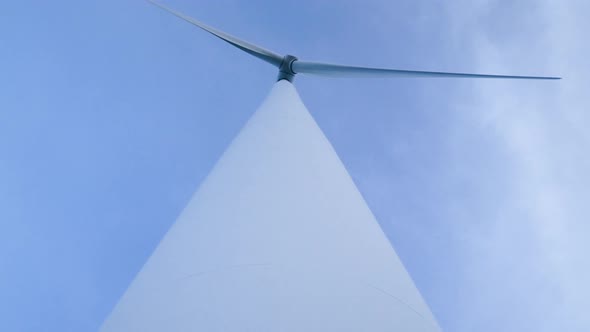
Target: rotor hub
(285, 69)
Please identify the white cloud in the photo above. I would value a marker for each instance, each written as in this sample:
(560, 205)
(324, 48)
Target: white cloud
(543, 129)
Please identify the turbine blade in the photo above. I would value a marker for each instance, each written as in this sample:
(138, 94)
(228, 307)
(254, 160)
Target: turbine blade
(249, 48)
(325, 69)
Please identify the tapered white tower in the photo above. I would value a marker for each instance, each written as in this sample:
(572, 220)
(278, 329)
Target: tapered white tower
(277, 238)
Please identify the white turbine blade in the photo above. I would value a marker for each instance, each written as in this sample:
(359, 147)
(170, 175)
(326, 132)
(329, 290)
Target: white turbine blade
(325, 69)
(245, 46)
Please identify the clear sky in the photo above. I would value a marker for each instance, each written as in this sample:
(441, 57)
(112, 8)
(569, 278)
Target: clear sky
(113, 112)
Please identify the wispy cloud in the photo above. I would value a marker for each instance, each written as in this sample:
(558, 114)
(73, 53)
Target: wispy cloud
(539, 235)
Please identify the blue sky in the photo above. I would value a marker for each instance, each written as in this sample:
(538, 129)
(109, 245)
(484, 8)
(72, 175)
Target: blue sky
(113, 112)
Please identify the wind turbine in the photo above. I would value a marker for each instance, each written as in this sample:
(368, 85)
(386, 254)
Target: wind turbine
(278, 237)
